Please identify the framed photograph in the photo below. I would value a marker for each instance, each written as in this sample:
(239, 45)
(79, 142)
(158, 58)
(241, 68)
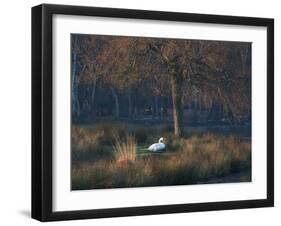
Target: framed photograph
(146, 112)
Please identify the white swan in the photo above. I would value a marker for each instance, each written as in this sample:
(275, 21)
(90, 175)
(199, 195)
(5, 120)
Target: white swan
(160, 146)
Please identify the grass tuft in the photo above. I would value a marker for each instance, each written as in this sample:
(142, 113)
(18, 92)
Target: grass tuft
(125, 151)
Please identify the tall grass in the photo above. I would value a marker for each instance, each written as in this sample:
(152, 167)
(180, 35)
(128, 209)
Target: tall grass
(190, 160)
(125, 151)
(86, 145)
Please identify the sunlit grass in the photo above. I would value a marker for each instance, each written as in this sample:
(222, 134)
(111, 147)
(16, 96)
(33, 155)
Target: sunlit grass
(126, 163)
(125, 150)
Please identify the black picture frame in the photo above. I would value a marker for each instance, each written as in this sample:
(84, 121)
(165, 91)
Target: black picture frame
(42, 107)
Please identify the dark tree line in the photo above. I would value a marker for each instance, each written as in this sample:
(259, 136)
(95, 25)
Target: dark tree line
(138, 78)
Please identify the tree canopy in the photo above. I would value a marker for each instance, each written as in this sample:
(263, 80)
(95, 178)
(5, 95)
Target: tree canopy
(155, 75)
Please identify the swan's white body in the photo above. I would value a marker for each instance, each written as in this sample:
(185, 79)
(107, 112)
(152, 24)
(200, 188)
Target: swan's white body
(160, 146)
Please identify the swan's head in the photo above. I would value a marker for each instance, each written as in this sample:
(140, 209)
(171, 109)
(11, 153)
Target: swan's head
(161, 140)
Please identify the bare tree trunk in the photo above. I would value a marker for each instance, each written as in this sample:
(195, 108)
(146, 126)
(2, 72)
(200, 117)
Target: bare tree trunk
(130, 102)
(156, 107)
(177, 105)
(136, 108)
(152, 108)
(78, 107)
(74, 88)
(115, 96)
(161, 108)
(93, 95)
(200, 111)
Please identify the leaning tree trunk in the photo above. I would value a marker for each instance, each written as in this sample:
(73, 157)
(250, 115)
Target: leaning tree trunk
(116, 100)
(93, 95)
(177, 104)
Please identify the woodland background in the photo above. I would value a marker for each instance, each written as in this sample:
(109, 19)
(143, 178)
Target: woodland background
(149, 80)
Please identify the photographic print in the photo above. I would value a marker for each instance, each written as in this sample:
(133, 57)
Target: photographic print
(159, 111)
(131, 105)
